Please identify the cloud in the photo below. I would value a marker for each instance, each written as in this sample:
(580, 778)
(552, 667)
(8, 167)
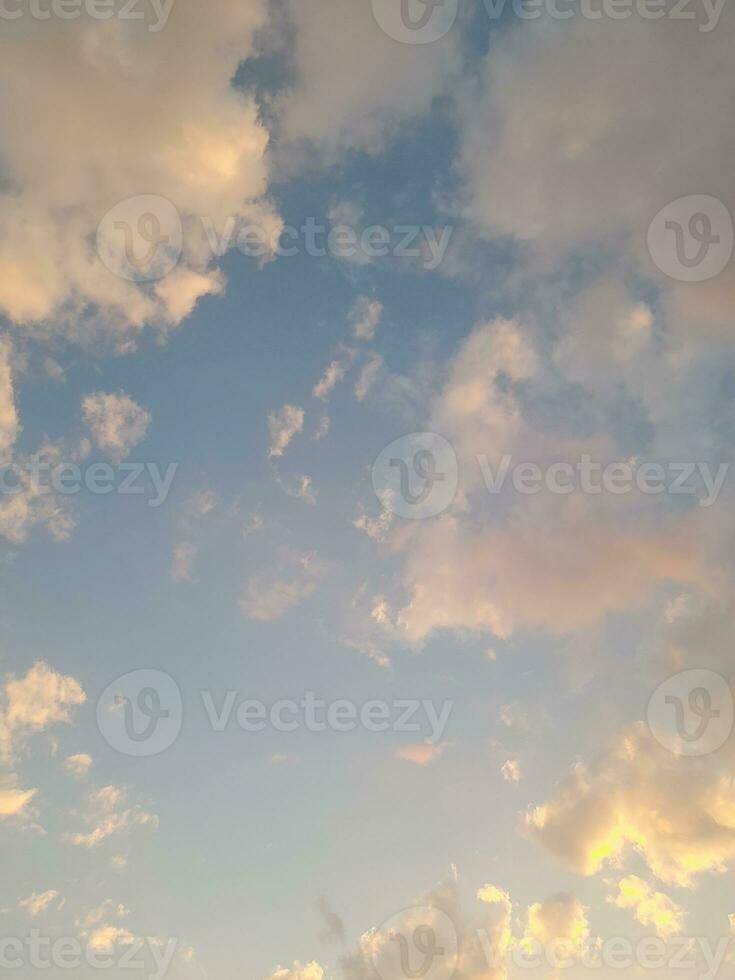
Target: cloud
(419, 753)
(675, 813)
(108, 814)
(28, 505)
(298, 971)
(182, 562)
(199, 144)
(35, 904)
(117, 423)
(364, 317)
(558, 563)
(367, 377)
(497, 579)
(78, 765)
(283, 426)
(292, 580)
(13, 801)
(650, 908)
(100, 934)
(559, 923)
(9, 423)
(543, 175)
(381, 82)
(38, 700)
(333, 374)
(511, 771)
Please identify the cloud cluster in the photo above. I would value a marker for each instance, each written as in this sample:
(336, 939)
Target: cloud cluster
(117, 423)
(198, 143)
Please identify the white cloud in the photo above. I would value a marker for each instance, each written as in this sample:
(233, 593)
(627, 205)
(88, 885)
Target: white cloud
(199, 144)
(9, 424)
(182, 562)
(298, 971)
(78, 765)
(38, 700)
(368, 376)
(511, 771)
(283, 426)
(14, 802)
(592, 180)
(638, 797)
(107, 815)
(28, 506)
(35, 904)
(364, 317)
(381, 82)
(419, 753)
(117, 423)
(292, 580)
(559, 923)
(333, 374)
(650, 908)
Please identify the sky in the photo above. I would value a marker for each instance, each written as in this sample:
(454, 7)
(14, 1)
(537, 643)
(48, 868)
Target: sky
(367, 397)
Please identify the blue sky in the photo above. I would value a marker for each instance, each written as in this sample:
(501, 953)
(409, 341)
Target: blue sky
(558, 803)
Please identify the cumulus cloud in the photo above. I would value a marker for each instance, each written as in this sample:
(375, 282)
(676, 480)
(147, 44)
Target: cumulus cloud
(199, 144)
(29, 505)
(298, 971)
(283, 426)
(364, 317)
(9, 423)
(182, 562)
(108, 814)
(592, 179)
(117, 423)
(333, 374)
(650, 908)
(367, 377)
(419, 753)
(35, 904)
(292, 580)
(14, 802)
(78, 765)
(511, 771)
(549, 561)
(677, 814)
(34, 702)
(381, 82)
(559, 923)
